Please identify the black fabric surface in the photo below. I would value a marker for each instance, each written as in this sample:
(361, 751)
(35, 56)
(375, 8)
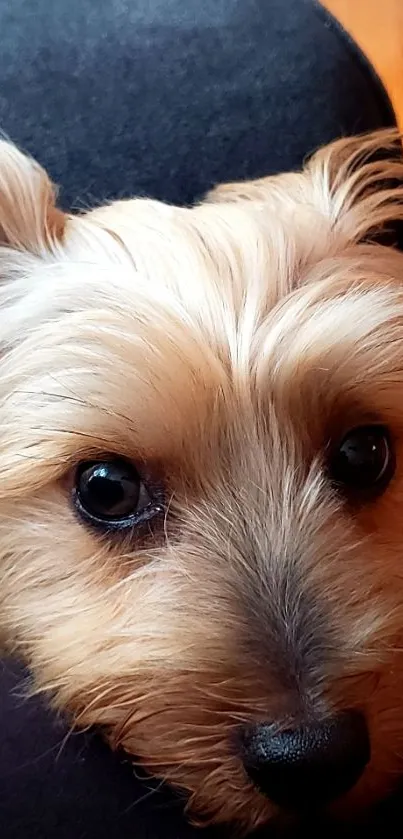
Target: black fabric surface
(168, 97)
(163, 98)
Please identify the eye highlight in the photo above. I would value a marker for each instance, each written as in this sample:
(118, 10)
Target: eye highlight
(111, 495)
(364, 461)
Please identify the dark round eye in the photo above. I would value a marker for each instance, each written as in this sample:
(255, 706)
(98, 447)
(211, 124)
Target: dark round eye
(364, 460)
(111, 493)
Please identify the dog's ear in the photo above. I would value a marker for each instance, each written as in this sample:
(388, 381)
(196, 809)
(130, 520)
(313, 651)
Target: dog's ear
(29, 218)
(355, 183)
(358, 184)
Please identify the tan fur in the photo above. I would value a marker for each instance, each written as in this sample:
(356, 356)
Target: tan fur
(221, 348)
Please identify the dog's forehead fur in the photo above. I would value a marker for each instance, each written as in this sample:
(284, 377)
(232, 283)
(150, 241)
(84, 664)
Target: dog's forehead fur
(180, 336)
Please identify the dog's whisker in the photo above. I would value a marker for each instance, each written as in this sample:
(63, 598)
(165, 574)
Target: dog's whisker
(151, 793)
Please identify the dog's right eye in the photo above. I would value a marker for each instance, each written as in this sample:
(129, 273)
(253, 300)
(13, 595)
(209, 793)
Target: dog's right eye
(364, 461)
(111, 494)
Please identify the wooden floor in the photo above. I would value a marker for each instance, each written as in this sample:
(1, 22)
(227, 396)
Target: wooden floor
(377, 25)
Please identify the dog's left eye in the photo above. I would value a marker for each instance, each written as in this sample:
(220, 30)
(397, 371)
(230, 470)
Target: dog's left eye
(364, 461)
(111, 494)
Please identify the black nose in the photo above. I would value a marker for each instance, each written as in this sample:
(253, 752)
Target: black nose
(310, 766)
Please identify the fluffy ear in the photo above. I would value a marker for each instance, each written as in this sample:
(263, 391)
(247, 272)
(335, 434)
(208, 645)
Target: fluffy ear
(356, 183)
(29, 218)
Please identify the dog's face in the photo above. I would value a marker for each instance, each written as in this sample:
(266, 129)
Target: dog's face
(201, 420)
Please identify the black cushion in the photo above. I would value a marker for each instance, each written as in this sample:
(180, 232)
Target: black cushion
(168, 97)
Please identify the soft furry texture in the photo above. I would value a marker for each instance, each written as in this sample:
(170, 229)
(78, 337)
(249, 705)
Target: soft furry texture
(224, 349)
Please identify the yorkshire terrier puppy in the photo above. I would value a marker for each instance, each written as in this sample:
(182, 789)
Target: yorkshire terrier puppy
(201, 424)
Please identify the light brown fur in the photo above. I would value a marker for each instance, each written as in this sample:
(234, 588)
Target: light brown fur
(222, 348)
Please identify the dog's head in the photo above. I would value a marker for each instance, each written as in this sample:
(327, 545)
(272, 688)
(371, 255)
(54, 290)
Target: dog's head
(201, 449)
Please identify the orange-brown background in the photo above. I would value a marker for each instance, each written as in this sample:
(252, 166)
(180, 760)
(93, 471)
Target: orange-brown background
(377, 25)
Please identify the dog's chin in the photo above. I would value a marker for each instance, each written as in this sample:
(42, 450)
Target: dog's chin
(218, 799)
(258, 817)
(356, 815)
(352, 816)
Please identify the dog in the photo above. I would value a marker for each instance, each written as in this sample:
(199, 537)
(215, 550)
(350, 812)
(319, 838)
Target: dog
(201, 426)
